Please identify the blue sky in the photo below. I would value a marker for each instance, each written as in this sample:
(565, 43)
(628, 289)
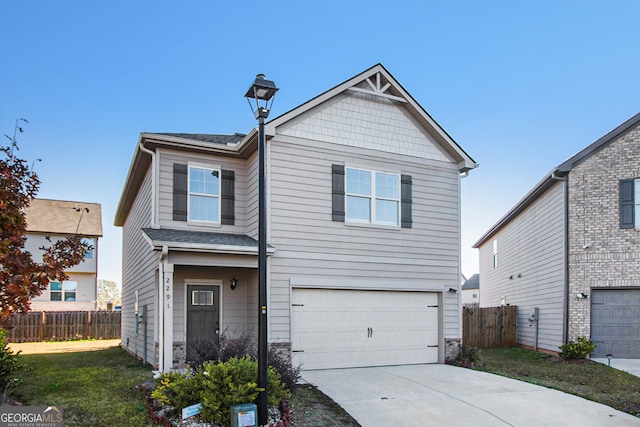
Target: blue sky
(521, 86)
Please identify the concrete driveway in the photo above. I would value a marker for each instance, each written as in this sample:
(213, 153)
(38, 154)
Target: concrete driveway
(444, 395)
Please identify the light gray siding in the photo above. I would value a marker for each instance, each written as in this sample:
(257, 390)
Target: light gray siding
(139, 265)
(310, 246)
(165, 194)
(530, 268)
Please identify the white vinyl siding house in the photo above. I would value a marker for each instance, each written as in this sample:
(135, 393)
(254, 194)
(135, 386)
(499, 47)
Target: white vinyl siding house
(350, 219)
(569, 248)
(51, 220)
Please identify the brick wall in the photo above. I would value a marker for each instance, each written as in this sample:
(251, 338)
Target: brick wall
(601, 255)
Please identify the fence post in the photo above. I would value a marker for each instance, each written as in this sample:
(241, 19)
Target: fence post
(87, 331)
(43, 323)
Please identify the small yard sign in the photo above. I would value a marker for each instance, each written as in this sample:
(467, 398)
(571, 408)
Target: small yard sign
(192, 410)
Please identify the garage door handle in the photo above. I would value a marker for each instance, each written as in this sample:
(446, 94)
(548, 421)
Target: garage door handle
(297, 305)
(369, 332)
(297, 351)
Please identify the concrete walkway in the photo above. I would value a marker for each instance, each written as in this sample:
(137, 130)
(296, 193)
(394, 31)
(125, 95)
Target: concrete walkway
(444, 395)
(631, 366)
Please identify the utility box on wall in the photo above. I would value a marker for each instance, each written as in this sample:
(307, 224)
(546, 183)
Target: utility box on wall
(245, 415)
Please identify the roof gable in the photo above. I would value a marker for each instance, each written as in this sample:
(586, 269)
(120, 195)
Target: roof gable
(394, 102)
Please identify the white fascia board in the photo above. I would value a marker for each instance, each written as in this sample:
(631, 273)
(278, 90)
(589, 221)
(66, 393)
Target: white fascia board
(199, 247)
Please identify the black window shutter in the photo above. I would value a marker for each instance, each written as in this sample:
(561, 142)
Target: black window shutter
(405, 199)
(228, 197)
(337, 191)
(180, 192)
(627, 215)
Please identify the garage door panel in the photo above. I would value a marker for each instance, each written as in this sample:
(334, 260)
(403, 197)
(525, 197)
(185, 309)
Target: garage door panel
(615, 322)
(348, 328)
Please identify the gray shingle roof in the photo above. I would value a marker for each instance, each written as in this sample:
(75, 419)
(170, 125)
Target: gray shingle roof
(214, 138)
(199, 237)
(472, 283)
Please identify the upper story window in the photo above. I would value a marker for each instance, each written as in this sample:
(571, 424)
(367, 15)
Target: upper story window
(372, 197)
(63, 291)
(495, 253)
(89, 254)
(204, 194)
(630, 203)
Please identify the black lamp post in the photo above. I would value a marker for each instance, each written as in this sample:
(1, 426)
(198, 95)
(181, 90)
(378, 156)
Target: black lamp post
(262, 91)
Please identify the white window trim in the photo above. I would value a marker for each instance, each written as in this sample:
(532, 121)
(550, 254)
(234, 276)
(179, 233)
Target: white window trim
(217, 168)
(372, 198)
(63, 290)
(495, 253)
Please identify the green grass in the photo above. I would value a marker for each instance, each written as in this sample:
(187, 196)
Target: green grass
(93, 387)
(312, 408)
(584, 378)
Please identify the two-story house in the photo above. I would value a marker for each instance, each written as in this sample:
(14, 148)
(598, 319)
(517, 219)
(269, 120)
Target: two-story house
(568, 253)
(55, 220)
(363, 199)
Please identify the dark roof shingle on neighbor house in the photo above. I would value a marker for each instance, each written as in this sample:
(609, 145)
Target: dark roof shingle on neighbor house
(472, 283)
(64, 217)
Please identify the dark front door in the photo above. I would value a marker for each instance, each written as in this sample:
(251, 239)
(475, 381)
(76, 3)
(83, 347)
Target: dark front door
(203, 317)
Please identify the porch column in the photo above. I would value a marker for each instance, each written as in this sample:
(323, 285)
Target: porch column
(167, 309)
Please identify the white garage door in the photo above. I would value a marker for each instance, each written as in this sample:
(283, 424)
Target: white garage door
(347, 328)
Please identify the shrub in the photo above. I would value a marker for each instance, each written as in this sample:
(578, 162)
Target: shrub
(226, 348)
(223, 349)
(289, 375)
(10, 365)
(178, 390)
(575, 350)
(218, 386)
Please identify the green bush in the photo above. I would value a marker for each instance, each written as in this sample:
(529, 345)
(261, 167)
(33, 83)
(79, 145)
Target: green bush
(179, 390)
(575, 350)
(10, 365)
(218, 386)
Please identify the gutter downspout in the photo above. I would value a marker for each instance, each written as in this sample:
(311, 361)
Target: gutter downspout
(164, 254)
(152, 153)
(565, 314)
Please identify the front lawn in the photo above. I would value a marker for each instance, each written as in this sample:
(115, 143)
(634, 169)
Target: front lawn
(584, 378)
(97, 388)
(93, 387)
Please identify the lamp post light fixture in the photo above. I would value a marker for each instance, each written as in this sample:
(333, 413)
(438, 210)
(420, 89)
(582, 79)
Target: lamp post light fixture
(262, 91)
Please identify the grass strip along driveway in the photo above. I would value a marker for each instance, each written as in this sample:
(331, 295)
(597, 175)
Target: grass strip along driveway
(93, 387)
(585, 378)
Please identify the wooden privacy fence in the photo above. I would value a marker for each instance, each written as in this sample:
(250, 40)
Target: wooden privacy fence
(489, 326)
(65, 325)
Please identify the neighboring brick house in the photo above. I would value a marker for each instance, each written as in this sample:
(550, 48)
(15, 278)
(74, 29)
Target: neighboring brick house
(363, 200)
(58, 219)
(571, 249)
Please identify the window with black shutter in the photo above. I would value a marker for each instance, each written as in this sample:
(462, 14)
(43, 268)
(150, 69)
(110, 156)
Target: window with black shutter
(627, 203)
